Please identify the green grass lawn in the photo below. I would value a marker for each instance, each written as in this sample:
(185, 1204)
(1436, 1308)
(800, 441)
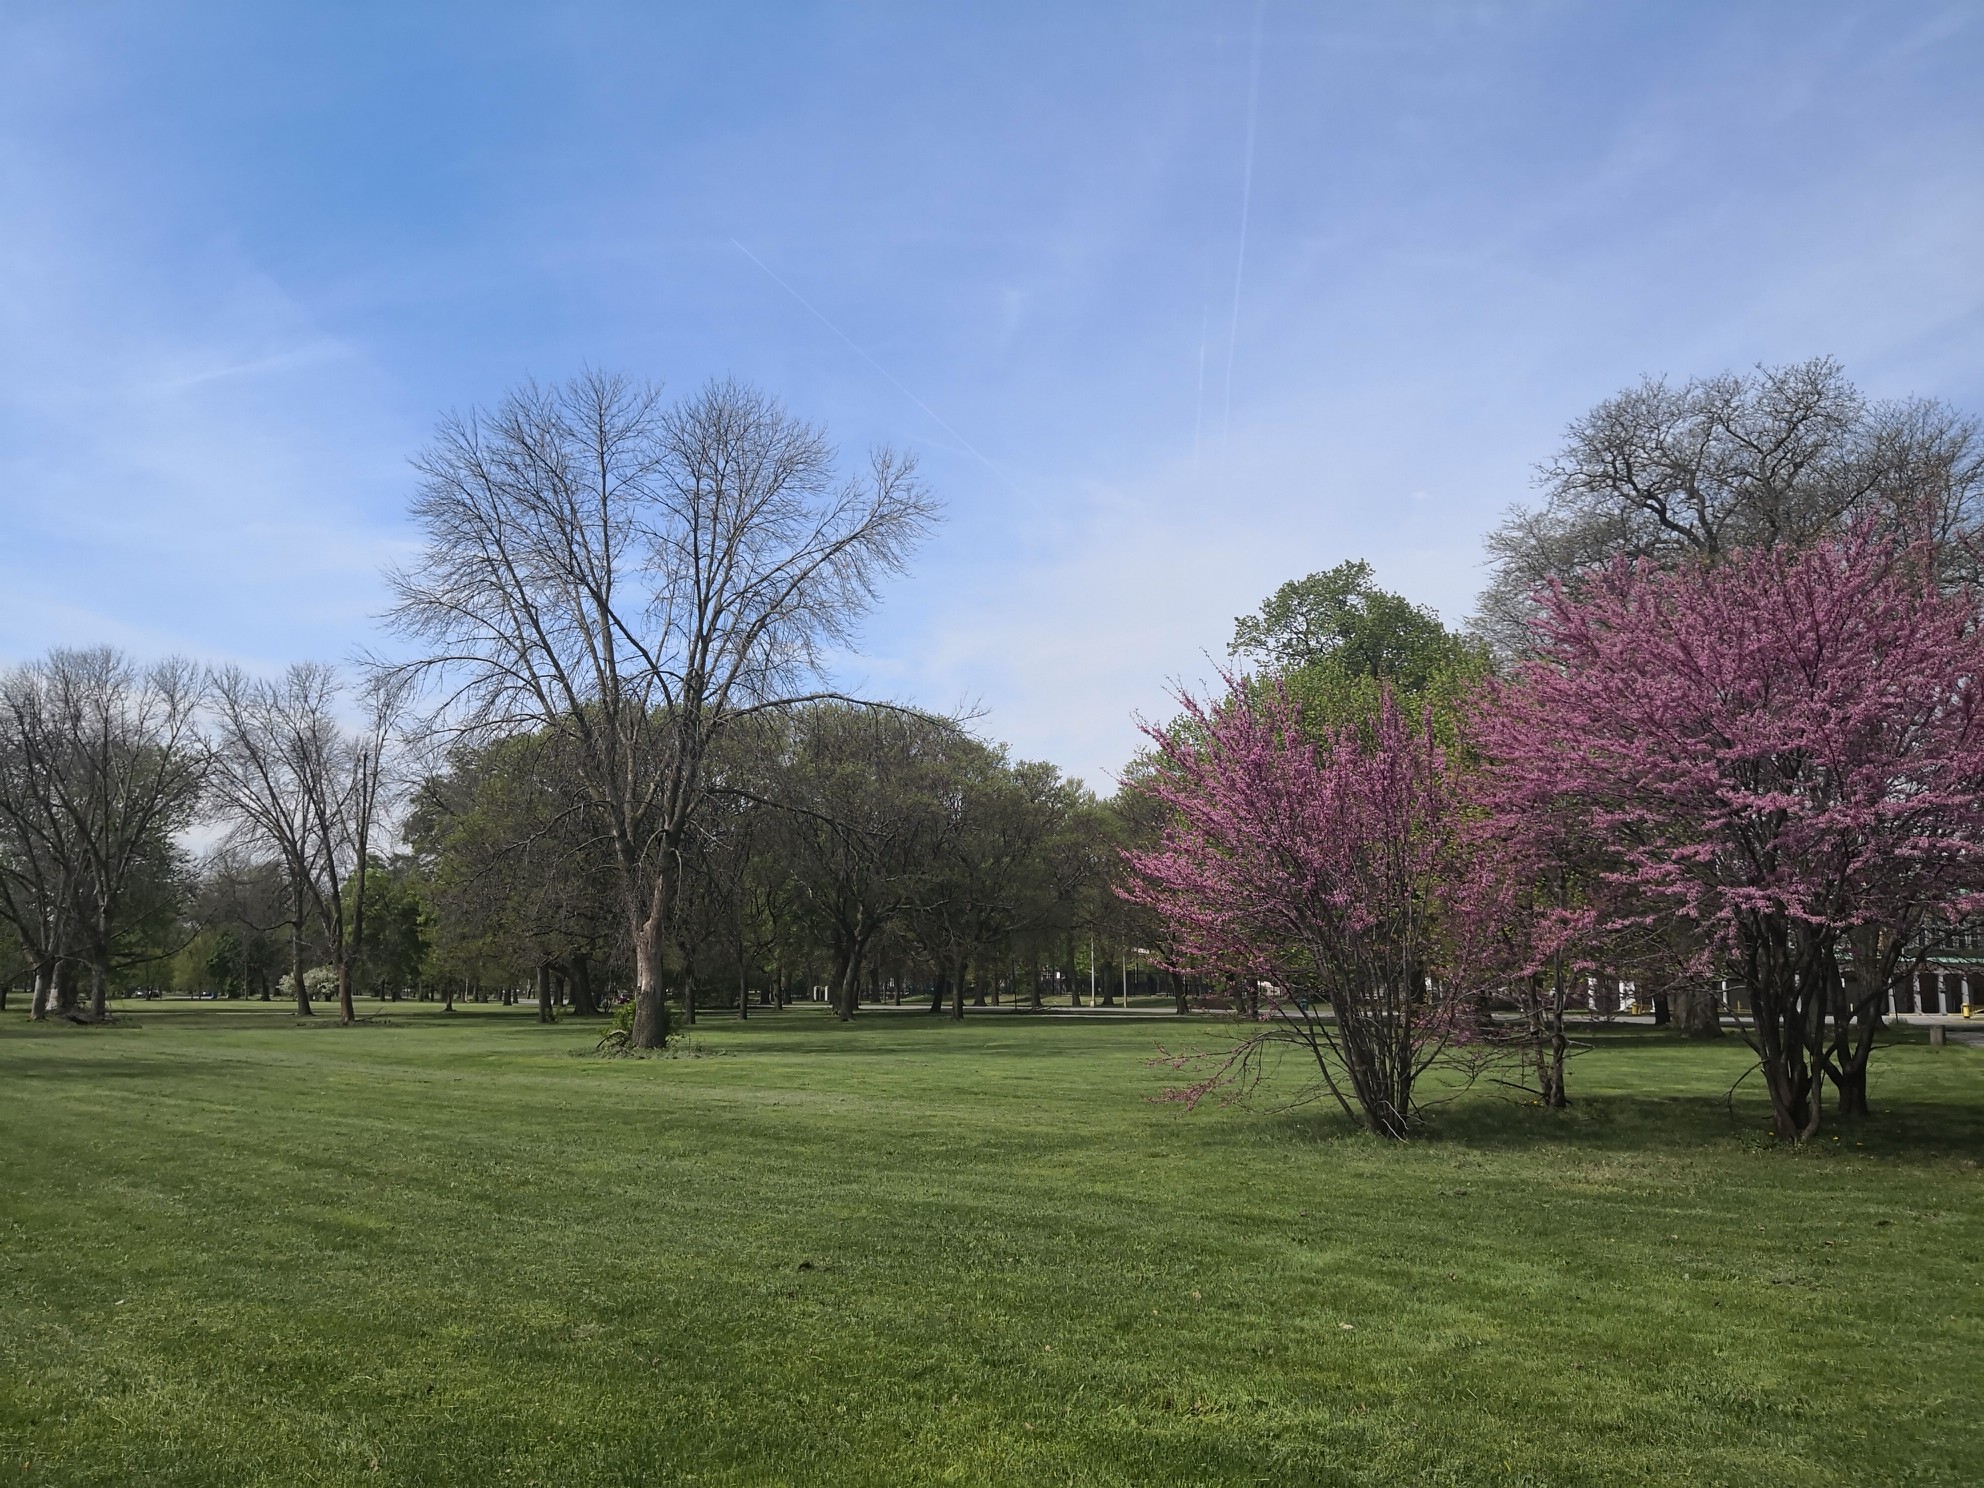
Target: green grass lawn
(460, 1250)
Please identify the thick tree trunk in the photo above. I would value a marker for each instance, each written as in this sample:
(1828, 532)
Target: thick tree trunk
(544, 1011)
(44, 981)
(1662, 1013)
(940, 984)
(650, 1030)
(1701, 1013)
(1851, 1085)
(585, 1001)
(847, 984)
(957, 990)
(1178, 993)
(347, 1014)
(65, 988)
(99, 990)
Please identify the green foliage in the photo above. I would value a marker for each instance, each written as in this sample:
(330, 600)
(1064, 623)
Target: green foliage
(398, 926)
(1335, 640)
(224, 964)
(504, 869)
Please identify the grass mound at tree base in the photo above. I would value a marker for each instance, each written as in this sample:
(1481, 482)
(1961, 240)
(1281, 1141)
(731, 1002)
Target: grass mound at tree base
(463, 1251)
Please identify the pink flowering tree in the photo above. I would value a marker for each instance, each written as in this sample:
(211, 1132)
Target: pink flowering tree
(1320, 874)
(1782, 754)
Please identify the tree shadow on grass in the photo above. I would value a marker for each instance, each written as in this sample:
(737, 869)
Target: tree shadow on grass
(1906, 1126)
(48, 1065)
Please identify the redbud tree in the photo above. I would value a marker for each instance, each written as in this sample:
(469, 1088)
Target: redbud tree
(1783, 752)
(1321, 873)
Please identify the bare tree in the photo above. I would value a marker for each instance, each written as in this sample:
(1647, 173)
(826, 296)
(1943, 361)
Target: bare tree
(1780, 455)
(633, 576)
(105, 766)
(297, 781)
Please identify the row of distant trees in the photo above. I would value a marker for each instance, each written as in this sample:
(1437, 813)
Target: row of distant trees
(1717, 733)
(867, 851)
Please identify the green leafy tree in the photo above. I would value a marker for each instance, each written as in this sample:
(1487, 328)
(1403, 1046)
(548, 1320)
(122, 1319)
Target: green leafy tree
(1335, 641)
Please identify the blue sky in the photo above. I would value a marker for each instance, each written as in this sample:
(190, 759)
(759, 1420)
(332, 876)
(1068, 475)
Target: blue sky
(249, 253)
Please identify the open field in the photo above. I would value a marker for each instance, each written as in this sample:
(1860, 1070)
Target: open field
(457, 1250)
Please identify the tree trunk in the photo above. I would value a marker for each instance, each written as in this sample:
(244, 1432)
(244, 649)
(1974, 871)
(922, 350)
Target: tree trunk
(1661, 1013)
(957, 990)
(585, 1001)
(1851, 1085)
(650, 1029)
(99, 990)
(44, 981)
(65, 988)
(847, 983)
(544, 1012)
(1701, 1013)
(1787, 1053)
(347, 1014)
(1555, 1096)
(940, 985)
(303, 1008)
(1178, 993)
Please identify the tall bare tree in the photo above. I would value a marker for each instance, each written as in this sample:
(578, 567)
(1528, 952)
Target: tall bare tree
(293, 778)
(633, 576)
(1779, 455)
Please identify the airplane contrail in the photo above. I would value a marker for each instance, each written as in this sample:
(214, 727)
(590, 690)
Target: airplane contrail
(1246, 205)
(935, 417)
(1199, 410)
